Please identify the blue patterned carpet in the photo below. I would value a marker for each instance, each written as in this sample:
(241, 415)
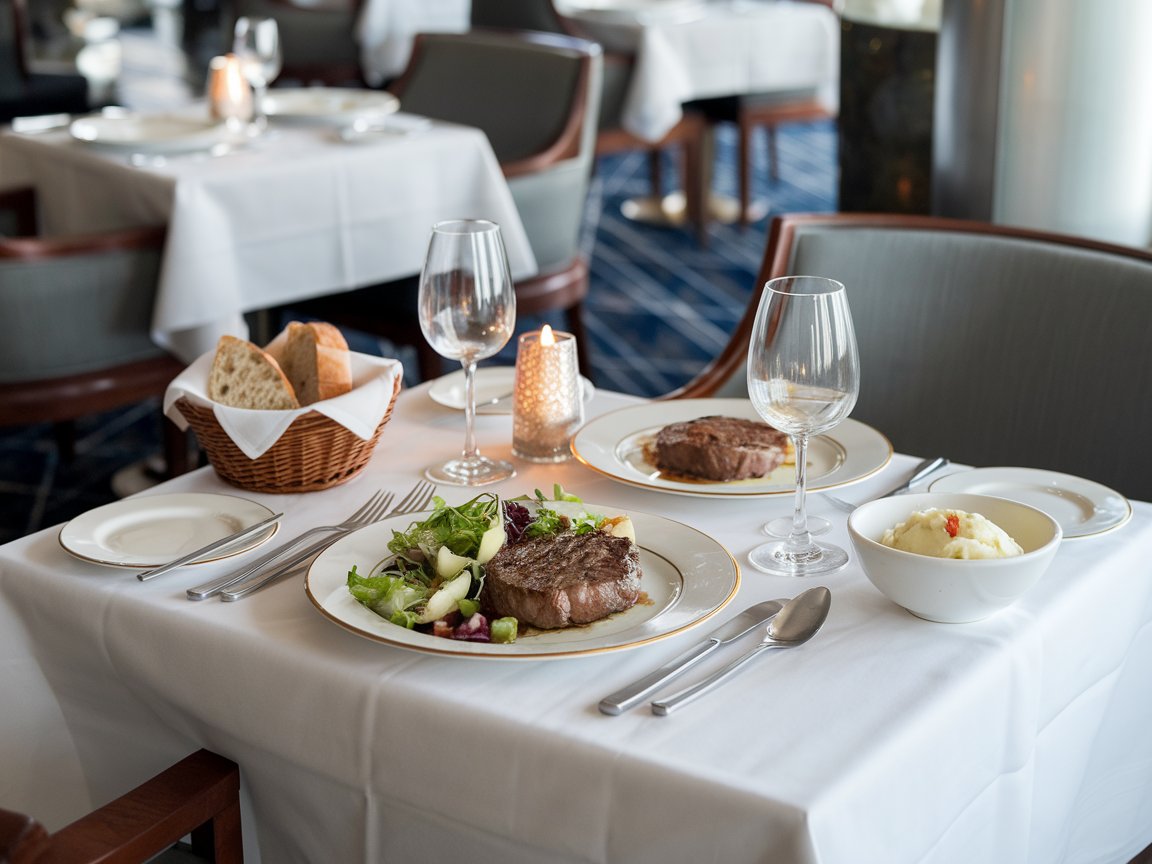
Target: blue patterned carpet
(659, 308)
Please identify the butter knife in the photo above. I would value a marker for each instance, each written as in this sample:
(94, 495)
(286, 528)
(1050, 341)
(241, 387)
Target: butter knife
(242, 534)
(638, 691)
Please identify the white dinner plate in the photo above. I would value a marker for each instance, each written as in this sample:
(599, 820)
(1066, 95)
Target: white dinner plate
(147, 531)
(1084, 508)
(617, 444)
(687, 577)
(492, 383)
(149, 133)
(324, 106)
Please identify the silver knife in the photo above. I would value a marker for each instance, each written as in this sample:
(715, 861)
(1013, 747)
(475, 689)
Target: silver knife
(638, 691)
(242, 534)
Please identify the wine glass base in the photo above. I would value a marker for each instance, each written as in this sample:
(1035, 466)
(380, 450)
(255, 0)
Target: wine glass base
(778, 559)
(782, 526)
(476, 471)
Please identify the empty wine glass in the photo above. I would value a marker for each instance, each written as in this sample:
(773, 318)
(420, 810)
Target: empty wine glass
(803, 378)
(256, 41)
(467, 312)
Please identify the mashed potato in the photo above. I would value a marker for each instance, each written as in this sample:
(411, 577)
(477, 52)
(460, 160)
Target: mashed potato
(951, 534)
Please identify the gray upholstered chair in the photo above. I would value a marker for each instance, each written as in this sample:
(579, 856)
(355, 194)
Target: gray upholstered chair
(612, 137)
(535, 95)
(22, 91)
(986, 344)
(317, 40)
(75, 314)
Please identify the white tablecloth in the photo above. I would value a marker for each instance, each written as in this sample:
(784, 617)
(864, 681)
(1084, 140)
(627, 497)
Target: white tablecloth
(295, 215)
(721, 48)
(1022, 738)
(386, 27)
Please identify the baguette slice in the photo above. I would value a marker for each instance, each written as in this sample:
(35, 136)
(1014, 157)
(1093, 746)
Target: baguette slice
(315, 358)
(245, 376)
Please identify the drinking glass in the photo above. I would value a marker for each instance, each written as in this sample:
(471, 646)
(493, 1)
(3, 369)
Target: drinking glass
(256, 41)
(803, 378)
(467, 312)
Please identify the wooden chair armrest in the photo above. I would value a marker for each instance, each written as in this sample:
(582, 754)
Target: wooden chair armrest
(40, 248)
(160, 811)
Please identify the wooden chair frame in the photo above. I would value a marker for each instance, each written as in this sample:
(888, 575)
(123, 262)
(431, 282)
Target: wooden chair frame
(200, 795)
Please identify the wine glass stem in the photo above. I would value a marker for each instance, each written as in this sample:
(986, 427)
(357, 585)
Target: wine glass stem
(470, 449)
(259, 118)
(800, 538)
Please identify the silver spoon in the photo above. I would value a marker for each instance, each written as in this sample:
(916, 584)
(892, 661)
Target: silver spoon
(795, 624)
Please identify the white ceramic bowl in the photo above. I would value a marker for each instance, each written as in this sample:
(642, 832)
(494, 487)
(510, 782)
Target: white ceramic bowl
(952, 590)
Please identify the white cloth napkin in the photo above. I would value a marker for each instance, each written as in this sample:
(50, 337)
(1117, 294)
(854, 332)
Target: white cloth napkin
(359, 410)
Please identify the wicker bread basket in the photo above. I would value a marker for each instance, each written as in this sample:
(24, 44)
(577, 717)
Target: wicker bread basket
(314, 453)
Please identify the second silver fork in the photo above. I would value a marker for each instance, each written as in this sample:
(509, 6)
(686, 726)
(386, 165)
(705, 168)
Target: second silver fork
(369, 512)
(417, 499)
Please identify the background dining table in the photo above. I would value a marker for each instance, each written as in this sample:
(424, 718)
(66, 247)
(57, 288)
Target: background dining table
(384, 29)
(699, 49)
(291, 214)
(1019, 738)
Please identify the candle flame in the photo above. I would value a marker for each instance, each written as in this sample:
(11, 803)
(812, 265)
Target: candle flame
(546, 337)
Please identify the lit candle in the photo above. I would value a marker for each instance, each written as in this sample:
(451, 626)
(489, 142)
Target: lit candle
(548, 405)
(229, 94)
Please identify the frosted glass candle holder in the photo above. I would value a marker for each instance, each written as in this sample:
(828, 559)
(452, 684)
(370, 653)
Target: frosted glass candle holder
(548, 405)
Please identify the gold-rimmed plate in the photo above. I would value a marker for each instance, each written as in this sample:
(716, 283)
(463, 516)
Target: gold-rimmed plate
(618, 445)
(687, 577)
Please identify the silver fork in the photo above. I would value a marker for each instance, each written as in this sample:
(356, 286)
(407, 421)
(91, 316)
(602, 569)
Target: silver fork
(928, 466)
(417, 499)
(368, 512)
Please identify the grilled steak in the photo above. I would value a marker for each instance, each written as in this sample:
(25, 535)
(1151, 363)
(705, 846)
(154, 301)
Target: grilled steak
(565, 579)
(720, 448)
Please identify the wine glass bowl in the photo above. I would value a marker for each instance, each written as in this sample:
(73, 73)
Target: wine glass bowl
(803, 379)
(467, 309)
(256, 41)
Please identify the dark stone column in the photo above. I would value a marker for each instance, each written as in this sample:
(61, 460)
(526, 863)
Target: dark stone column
(887, 78)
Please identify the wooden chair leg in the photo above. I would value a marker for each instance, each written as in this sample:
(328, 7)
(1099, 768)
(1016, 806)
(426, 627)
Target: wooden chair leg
(656, 173)
(744, 166)
(64, 431)
(576, 327)
(773, 155)
(695, 193)
(175, 450)
(430, 363)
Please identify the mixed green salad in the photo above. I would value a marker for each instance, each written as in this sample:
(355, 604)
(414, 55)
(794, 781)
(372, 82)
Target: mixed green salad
(434, 579)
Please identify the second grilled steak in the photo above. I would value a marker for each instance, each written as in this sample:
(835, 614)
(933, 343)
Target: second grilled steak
(557, 581)
(720, 448)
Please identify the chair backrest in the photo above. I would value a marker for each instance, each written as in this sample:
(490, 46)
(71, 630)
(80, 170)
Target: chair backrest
(72, 305)
(540, 15)
(13, 69)
(987, 344)
(535, 96)
(317, 40)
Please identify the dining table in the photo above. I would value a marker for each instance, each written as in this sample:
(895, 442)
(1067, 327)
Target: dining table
(312, 206)
(1022, 737)
(687, 50)
(385, 29)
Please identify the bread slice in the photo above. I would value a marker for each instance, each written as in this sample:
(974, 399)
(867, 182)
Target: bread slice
(315, 358)
(245, 376)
